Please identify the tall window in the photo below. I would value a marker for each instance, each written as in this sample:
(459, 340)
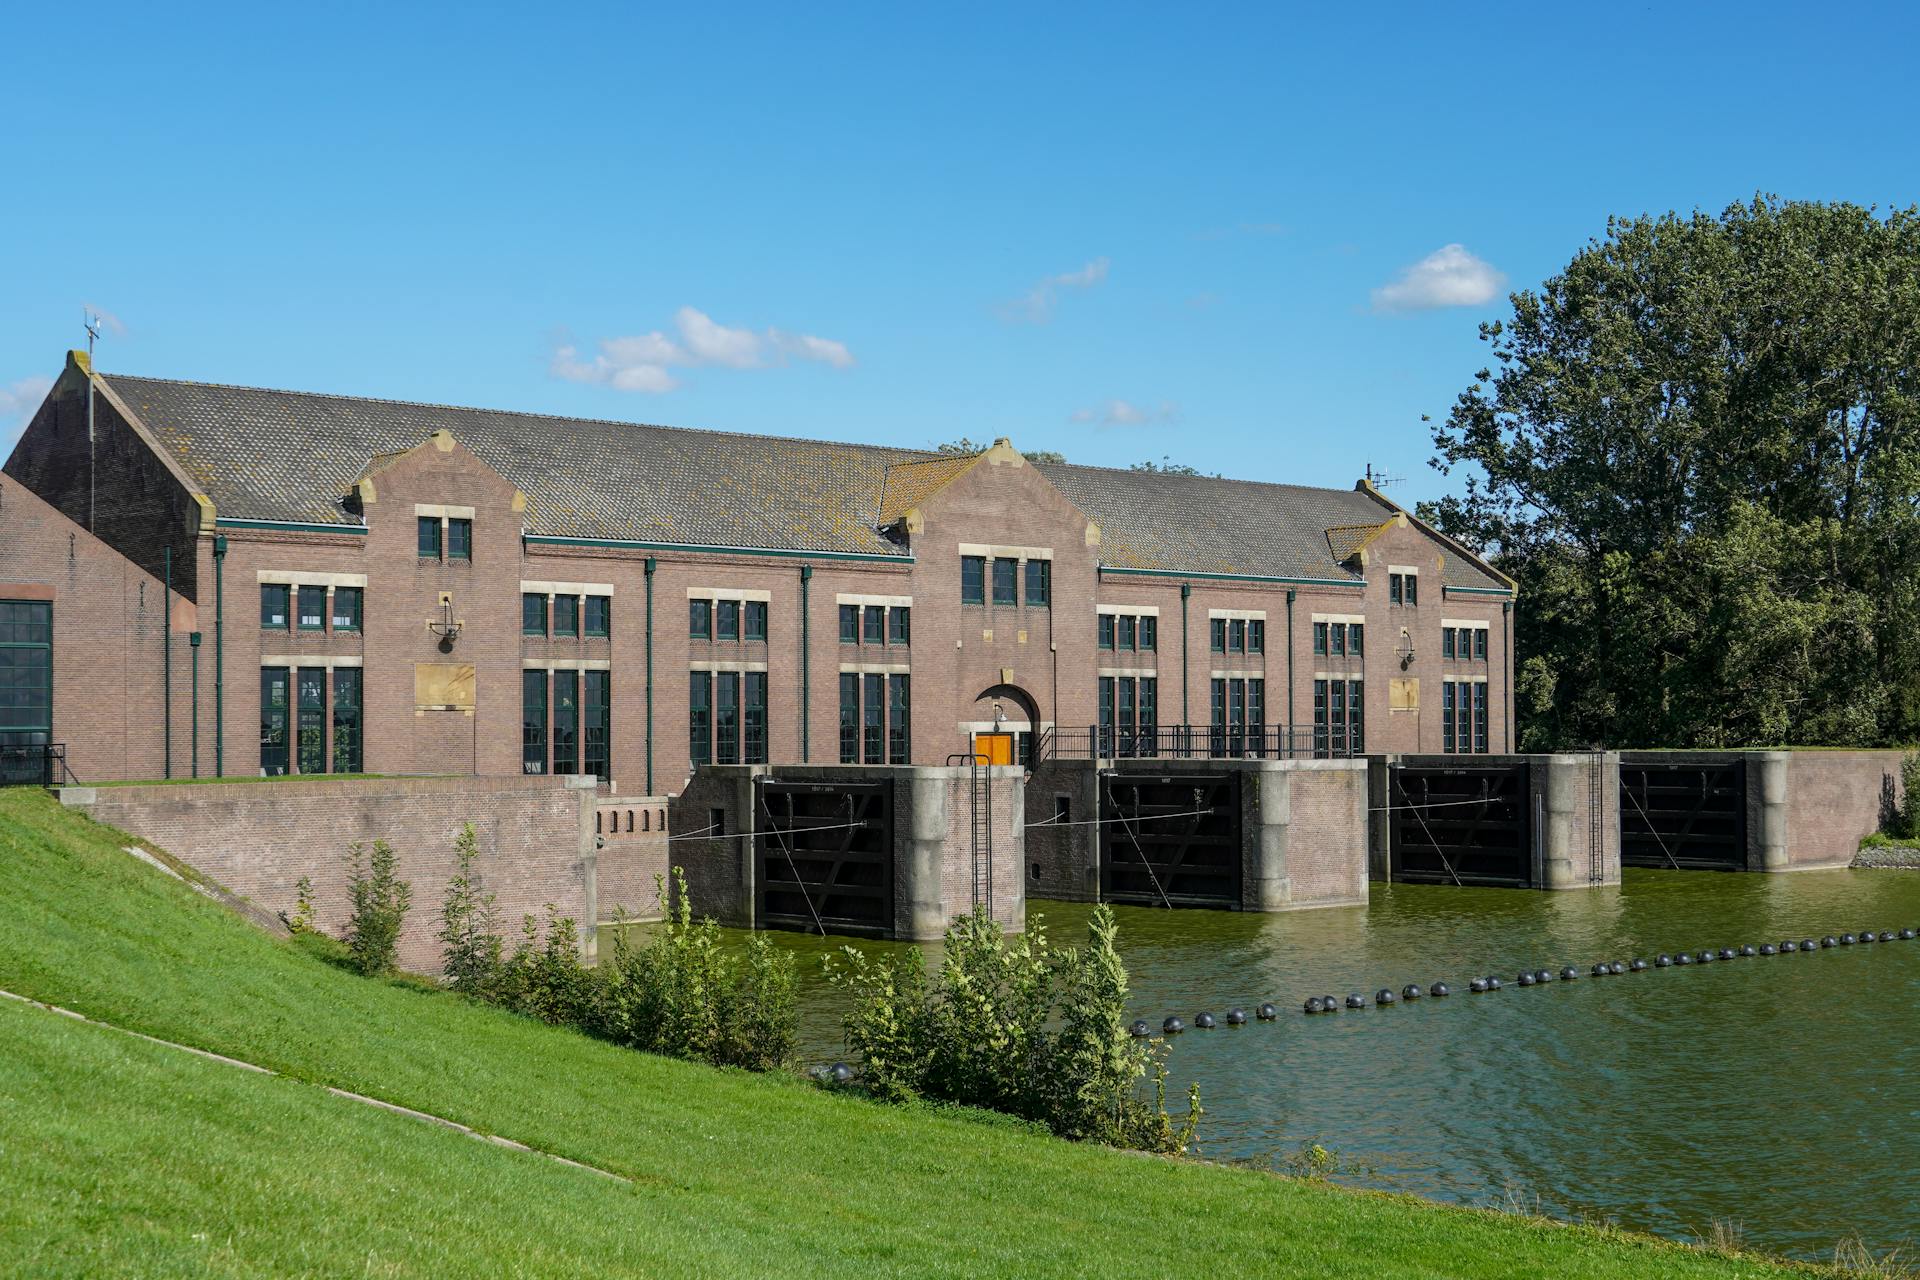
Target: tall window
(1149, 631)
(873, 719)
(700, 619)
(1337, 715)
(274, 694)
(566, 615)
(1004, 572)
(1237, 636)
(1149, 708)
(1480, 644)
(849, 718)
(1106, 630)
(347, 757)
(1446, 642)
(596, 723)
(1219, 706)
(1127, 630)
(726, 717)
(533, 614)
(1237, 717)
(1356, 717)
(566, 722)
(700, 718)
(1320, 726)
(1218, 639)
(726, 620)
(429, 527)
(346, 608)
(1338, 725)
(274, 605)
(533, 721)
(753, 620)
(754, 718)
(459, 539)
(313, 608)
(1480, 717)
(311, 739)
(1449, 692)
(899, 625)
(1124, 715)
(1257, 635)
(1337, 640)
(599, 616)
(1403, 588)
(873, 625)
(1039, 582)
(1108, 747)
(26, 688)
(973, 580)
(899, 724)
(1320, 638)
(1356, 638)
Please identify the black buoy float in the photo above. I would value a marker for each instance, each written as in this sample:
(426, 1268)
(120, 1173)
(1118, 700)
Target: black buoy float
(1748, 950)
(1600, 970)
(1140, 1028)
(1204, 1021)
(1493, 983)
(1707, 956)
(1768, 949)
(1569, 973)
(1525, 979)
(1788, 944)
(1866, 935)
(1314, 1005)
(1637, 965)
(1616, 967)
(1411, 991)
(1808, 944)
(1236, 1017)
(1330, 1002)
(1477, 986)
(1906, 935)
(1662, 960)
(1383, 996)
(1543, 975)
(1683, 958)
(1439, 989)
(1886, 935)
(1829, 941)
(840, 1073)
(1847, 939)
(1356, 1001)
(1173, 1026)
(1728, 953)
(1267, 1012)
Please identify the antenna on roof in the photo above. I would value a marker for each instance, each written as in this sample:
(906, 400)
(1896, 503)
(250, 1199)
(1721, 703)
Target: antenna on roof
(1380, 479)
(91, 318)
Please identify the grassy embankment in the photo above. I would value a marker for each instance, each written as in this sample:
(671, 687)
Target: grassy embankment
(118, 1156)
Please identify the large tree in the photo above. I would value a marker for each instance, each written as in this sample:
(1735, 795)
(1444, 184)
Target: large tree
(1697, 449)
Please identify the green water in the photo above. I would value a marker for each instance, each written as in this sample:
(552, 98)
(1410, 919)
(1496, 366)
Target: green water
(1779, 1093)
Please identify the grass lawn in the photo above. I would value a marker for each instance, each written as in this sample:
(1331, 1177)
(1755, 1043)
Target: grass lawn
(125, 1158)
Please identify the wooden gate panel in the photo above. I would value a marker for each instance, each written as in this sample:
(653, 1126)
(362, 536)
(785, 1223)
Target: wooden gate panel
(825, 857)
(1461, 824)
(1170, 841)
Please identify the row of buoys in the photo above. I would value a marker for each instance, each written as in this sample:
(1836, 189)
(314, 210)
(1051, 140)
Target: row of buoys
(1267, 1012)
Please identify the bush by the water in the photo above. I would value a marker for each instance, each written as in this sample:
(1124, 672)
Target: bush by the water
(1015, 1026)
(1902, 820)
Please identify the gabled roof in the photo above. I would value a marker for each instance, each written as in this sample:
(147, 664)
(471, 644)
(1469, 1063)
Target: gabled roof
(285, 455)
(1346, 541)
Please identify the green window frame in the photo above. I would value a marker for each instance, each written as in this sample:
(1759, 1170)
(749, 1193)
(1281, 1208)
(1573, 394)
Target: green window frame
(275, 691)
(1106, 630)
(753, 620)
(533, 722)
(1319, 639)
(1149, 632)
(726, 717)
(873, 625)
(566, 722)
(459, 538)
(873, 720)
(598, 619)
(533, 614)
(1356, 638)
(596, 723)
(1040, 582)
(973, 580)
(700, 718)
(310, 739)
(899, 626)
(566, 622)
(26, 689)
(899, 722)
(1257, 635)
(753, 718)
(1217, 640)
(348, 739)
(849, 624)
(726, 620)
(849, 718)
(312, 613)
(1126, 631)
(700, 619)
(429, 537)
(1005, 581)
(1446, 642)
(348, 608)
(276, 606)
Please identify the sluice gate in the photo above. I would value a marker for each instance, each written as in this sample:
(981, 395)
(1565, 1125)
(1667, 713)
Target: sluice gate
(1461, 824)
(1171, 840)
(824, 854)
(1686, 814)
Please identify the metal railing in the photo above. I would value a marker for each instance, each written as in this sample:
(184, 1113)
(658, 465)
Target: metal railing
(1199, 742)
(40, 765)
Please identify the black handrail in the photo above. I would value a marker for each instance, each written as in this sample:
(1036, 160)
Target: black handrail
(1200, 742)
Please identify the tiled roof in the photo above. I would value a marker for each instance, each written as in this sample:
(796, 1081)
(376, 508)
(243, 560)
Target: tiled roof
(287, 455)
(1345, 541)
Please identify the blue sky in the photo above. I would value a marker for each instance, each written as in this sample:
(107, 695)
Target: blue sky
(1121, 232)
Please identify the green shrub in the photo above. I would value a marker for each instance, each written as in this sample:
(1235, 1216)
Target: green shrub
(470, 947)
(380, 903)
(1907, 817)
(301, 921)
(686, 996)
(544, 978)
(1013, 1026)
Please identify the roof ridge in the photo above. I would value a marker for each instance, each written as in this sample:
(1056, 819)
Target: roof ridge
(1135, 471)
(924, 454)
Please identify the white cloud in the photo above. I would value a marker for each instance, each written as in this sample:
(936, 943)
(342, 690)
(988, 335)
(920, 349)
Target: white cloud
(644, 361)
(1450, 276)
(1036, 305)
(1125, 413)
(18, 399)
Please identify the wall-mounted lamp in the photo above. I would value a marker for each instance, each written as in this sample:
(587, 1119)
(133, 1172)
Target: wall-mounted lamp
(1406, 648)
(445, 626)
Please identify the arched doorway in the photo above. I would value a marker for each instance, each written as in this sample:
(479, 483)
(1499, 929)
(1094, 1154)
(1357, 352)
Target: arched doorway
(1005, 725)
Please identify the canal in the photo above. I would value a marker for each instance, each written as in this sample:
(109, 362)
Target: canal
(1776, 1095)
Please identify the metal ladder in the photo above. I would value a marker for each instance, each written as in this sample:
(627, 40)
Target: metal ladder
(980, 823)
(1596, 808)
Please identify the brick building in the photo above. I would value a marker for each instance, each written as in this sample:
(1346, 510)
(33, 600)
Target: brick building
(225, 580)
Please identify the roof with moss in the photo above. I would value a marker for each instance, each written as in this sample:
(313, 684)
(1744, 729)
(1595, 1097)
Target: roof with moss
(288, 455)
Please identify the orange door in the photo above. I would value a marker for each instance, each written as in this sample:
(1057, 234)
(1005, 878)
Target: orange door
(993, 748)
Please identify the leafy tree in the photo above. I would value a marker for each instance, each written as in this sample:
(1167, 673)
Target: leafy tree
(469, 935)
(1168, 467)
(380, 901)
(964, 445)
(1697, 449)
